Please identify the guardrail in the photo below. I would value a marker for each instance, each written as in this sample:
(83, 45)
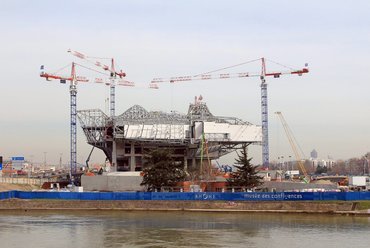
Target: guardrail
(191, 196)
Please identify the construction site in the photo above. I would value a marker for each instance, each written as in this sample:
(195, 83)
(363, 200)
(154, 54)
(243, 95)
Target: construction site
(196, 138)
(131, 134)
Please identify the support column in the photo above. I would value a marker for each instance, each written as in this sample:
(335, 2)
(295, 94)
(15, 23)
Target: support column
(114, 156)
(185, 163)
(132, 158)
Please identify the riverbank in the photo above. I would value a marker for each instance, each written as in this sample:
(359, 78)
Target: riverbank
(312, 207)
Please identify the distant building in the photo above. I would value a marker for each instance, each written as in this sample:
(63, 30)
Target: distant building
(17, 163)
(314, 154)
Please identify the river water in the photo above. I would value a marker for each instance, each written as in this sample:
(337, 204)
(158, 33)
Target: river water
(180, 229)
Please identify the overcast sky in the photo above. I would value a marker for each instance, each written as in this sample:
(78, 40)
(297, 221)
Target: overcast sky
(327, 109)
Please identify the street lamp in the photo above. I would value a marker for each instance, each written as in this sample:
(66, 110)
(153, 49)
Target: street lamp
(366, 164)
(45, 159)
(60, 160)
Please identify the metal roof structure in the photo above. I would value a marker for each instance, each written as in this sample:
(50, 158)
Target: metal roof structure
(156, 128)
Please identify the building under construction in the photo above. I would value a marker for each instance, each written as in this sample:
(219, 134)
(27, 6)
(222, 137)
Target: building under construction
(192, 136)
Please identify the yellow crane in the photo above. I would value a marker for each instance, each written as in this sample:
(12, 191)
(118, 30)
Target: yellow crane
(290, 137)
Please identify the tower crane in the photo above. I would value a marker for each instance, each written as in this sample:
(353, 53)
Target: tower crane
(113, 81)
(74, 80)
(293, 145)
(73, 92)
(113, 76)
(264, 99)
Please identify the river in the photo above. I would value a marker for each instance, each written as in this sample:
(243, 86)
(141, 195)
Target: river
(179, 229)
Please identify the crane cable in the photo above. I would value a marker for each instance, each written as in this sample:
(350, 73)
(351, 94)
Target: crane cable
(228, 67)
(285, 66)
(91, 69)
(57, 71)
(88, 68)
(244, 63)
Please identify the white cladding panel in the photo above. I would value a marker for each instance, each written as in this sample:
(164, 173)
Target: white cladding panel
(213, 131)
(158, 131)
(198, 130)
(242, 133)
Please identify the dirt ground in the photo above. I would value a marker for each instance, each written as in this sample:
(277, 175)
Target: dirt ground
(21, 187)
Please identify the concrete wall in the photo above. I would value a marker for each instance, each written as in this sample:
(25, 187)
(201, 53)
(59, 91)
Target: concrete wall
(113, 182)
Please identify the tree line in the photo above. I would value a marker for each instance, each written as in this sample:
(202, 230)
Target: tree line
(162, 170)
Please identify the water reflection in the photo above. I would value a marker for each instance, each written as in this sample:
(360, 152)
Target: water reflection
(180, 229)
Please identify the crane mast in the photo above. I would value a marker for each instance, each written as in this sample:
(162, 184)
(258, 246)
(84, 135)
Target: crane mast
(264, 118)
(73, 93)
(113, 76)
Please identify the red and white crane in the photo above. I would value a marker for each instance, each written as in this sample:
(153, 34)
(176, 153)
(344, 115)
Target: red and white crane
(73, 103)
(113, 75)
(115, 78)
(262, 75)
(74, 79)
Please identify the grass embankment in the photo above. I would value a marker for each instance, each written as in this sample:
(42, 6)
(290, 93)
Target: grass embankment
(363, 205)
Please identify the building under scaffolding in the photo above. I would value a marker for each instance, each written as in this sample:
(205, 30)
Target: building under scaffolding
(127, 137)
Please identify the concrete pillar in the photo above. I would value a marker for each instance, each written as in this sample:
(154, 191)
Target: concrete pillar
(132, 158)
(193, 163)
(114, 156)
(185, 163)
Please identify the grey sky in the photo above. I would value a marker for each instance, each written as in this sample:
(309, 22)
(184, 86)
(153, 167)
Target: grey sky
(328, 109)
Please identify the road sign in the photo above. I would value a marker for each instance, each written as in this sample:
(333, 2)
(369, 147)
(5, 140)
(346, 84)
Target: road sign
(17, 158)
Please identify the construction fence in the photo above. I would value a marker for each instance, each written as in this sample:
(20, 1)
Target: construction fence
(24, 180)
(191, 196)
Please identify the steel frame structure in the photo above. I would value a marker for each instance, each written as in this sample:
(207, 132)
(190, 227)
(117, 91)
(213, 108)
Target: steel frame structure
(159, 129)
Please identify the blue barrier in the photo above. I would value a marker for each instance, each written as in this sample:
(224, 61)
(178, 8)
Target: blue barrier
(191, 196)
(7, 195)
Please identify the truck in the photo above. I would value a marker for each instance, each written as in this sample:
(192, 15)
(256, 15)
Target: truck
(358, 183)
